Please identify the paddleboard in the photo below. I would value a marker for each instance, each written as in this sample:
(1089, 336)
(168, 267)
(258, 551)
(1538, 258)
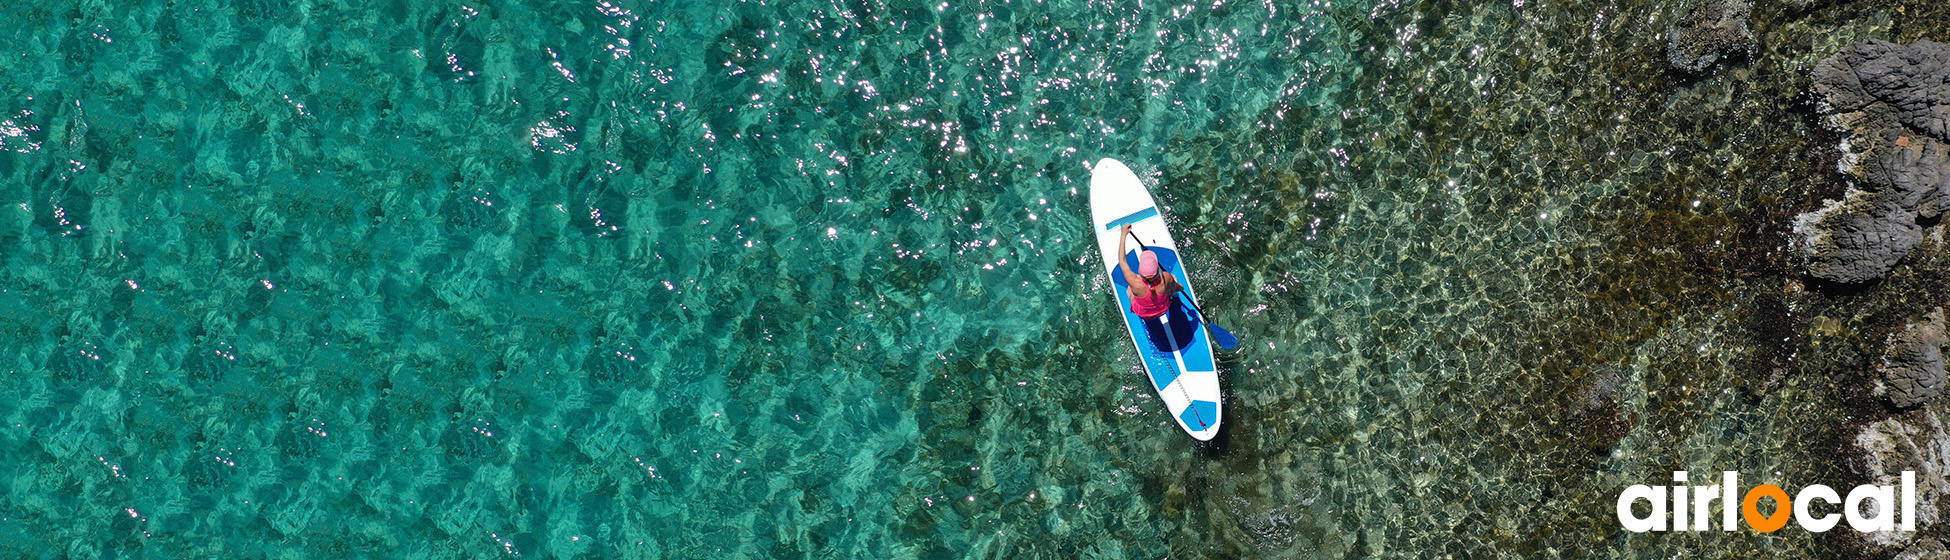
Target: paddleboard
(1175, 348)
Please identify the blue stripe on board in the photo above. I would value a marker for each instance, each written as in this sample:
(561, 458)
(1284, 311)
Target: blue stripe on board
(1135, 217)
(1198, 354)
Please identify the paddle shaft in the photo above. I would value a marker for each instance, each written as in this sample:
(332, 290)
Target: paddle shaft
(1188, 297)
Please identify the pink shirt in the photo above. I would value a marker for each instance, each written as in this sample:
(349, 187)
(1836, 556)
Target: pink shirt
(1152, 304)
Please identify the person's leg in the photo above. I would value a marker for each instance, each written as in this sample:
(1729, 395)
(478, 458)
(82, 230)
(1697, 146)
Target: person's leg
(1154, 330)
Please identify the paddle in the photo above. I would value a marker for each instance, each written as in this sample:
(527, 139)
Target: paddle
(1219, 335)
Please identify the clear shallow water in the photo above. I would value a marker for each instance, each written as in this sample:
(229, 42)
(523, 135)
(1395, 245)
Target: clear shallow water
(804, 279)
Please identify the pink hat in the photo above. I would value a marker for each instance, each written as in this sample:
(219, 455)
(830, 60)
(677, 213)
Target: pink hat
(1147, 263)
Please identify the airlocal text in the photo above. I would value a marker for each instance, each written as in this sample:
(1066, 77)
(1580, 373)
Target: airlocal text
(1690, 506)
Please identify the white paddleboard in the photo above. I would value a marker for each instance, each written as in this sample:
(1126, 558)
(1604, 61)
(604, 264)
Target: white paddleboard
(1176, 351)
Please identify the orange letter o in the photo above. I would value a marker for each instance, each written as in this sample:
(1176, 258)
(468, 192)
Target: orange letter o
(1751, 513)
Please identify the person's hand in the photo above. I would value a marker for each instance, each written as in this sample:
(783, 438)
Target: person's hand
(1125, 230)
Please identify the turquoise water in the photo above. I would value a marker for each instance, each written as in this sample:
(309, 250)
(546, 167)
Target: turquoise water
(812, 279)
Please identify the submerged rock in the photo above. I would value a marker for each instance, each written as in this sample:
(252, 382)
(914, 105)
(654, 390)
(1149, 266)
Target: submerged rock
(1711, 29)
(1912, 372)
(1894, 103)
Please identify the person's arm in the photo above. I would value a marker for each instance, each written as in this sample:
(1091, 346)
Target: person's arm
(1130, 278)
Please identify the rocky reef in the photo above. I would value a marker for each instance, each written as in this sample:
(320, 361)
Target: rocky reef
(1914, 442)
(1913, 439)
(1890, 100)
(1711, 29)
(1891, 104)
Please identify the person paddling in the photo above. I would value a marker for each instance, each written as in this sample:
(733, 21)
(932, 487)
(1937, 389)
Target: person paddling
(1150, 288)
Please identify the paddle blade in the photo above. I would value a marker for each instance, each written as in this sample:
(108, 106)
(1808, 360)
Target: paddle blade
(1222, 337)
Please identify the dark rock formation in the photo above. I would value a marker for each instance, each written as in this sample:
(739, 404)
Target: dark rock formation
(1893, 102)
(1912, 371)
(1711, 29)
(1852, 244)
